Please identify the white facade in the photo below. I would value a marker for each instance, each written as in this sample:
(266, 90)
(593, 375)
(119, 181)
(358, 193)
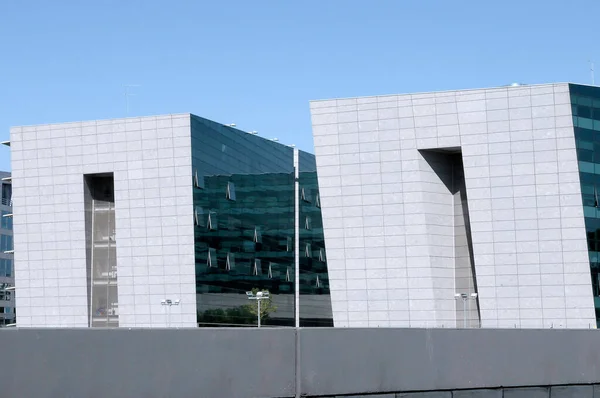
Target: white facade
(151, 162)
(390, 222)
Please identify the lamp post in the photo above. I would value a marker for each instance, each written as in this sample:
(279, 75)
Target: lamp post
(169, 303)
(465, 297)
(258, 297)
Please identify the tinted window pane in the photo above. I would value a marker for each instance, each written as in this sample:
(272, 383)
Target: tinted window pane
(587, 119)
(245, 239)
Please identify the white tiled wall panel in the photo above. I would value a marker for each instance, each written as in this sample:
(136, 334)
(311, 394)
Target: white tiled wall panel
(384, 241)
(151, 161)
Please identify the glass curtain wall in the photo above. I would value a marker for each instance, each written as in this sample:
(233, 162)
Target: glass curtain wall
(244, 230)
(585, 103)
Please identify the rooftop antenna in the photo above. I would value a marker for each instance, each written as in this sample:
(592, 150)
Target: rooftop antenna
(128, 94)
(592, 72)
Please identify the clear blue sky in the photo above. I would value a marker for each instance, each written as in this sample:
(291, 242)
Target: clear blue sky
(258, 63)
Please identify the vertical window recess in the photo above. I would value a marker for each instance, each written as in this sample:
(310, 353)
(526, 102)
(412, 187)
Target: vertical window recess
(231, 191)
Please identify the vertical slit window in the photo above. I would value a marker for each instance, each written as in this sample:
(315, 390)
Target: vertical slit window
(322, 255)
(318, 201)
(199, 216)
(289, 274)
(306, 195)
(289, 244)
(257, 235)
(308, 250)
(213, 222)
(211, 260)
(318, 282)
(257, 267)
(230, 264)
(270, 270)
(308, 223)
(198, 180)
(231, 191)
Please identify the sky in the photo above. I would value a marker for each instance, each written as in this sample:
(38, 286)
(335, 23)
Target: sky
(258, 63)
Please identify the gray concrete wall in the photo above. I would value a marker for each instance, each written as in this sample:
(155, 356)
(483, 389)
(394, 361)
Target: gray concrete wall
(347, 361)
(261, 363)
(147, 363)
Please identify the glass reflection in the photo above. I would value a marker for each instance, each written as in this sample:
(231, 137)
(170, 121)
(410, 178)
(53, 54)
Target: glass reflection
(244, 230)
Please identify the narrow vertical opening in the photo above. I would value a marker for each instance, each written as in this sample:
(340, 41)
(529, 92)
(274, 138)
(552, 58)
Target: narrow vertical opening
(101, 250)
(448, 165)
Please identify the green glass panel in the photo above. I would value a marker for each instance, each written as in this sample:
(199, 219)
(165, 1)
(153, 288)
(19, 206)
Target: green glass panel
(249, 195)
(584, 111)
(586, 167)
(589, 145)
(585, 101)
(585, 123)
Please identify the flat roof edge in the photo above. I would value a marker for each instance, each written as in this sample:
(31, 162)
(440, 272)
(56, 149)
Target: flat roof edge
(521, 85)
(105, 120)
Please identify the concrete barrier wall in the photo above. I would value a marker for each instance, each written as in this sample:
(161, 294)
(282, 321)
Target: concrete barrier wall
(381, 360)
(225, 363)
(147, 363)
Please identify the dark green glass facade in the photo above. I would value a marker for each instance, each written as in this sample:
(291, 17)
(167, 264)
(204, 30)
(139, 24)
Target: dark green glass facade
(244, 201)
(585, 102)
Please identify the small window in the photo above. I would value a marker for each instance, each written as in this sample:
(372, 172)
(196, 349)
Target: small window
(289, 274)
(317, 201)
(308, 251)
(6, 243)
(271, 264)
(213, 222)
(257, 267)
(7, 194)
(257, 235)
(322, 255)
(211, 261)
(230, 264)
(289, 244)
(308, 223)
(318, 282)
(231, 191)
(199, 216)
(198, 180)
(306, 195)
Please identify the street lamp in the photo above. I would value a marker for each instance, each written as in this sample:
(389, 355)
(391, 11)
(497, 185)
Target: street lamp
(169, 302)
(258, 297)
(465, 297)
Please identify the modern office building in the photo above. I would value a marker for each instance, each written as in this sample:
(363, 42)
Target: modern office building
(164, 221)
(7, 298)
(467, 208)
(472, 208)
